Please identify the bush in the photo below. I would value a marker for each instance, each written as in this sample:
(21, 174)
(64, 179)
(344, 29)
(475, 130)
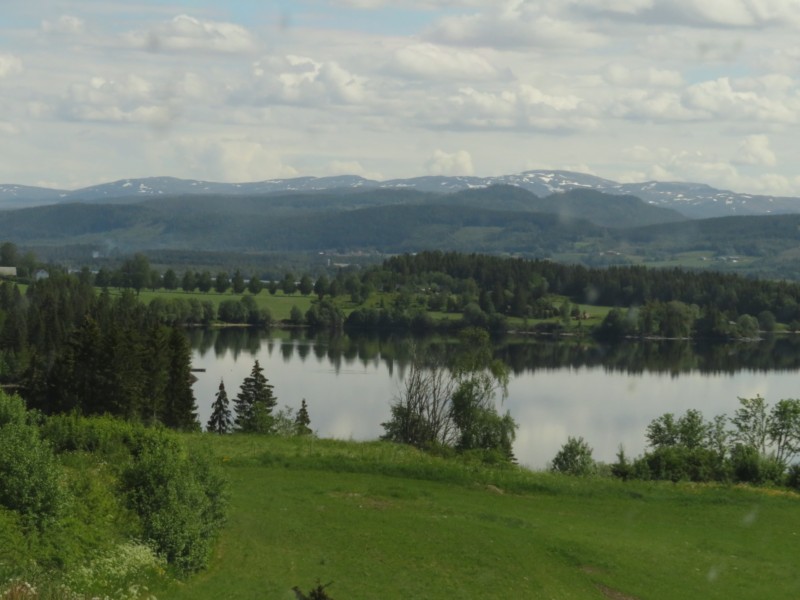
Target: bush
(679, 463)
(750, 466)
(793, 477)
(574, 458)
(180, 501)
(30, 475)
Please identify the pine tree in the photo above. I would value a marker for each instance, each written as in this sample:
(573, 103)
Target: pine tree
(221, 420)
(254, 403)
(302, 420)
(180, 410)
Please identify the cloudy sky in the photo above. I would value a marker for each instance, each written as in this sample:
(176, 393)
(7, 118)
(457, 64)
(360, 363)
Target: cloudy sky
(247, 90)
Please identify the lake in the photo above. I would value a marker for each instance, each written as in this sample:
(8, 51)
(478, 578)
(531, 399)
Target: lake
(606, 394)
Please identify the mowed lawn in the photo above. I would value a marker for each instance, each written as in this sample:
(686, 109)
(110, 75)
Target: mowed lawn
(383, 521)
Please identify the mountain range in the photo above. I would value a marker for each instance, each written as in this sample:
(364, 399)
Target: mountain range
(181, 222)
(692, 200)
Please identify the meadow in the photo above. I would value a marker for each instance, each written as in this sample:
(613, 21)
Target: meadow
(377, 520)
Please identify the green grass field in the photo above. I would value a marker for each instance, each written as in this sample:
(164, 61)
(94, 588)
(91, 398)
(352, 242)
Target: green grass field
(279, 305)
(384, 521)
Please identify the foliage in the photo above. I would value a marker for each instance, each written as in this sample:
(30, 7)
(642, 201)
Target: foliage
(302, 420)
(757, 450)
(29, 471)
(180, 501)
(455, 407)
(254, 403)
(574, 458)
(221, 419)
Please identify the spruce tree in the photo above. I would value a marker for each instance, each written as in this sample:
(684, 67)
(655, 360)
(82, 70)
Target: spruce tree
(221, 420)
(254, 403)
(302, 420)
(180, 410)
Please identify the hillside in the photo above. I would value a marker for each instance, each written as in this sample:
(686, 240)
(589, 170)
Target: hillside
(694, 200)
(363, 516)
(581, 225)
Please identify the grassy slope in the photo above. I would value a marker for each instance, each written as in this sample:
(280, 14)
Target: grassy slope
(383, 521)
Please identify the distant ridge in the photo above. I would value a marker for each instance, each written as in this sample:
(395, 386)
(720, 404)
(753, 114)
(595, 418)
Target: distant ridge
(693, 200)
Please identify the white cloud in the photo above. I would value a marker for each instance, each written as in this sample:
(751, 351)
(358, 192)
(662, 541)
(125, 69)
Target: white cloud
(515, 24)
(621, 75)
(65, 25)
(444, 163)
(523, 107)
(131, 99)
(731, 13)
(755, 150)
(426, 60)
(187, 33)
(304, 81)
(10, 65)
(726, 99)
(231, 159)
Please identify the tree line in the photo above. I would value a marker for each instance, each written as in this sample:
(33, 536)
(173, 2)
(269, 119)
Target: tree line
(759, 444)
(71, 349)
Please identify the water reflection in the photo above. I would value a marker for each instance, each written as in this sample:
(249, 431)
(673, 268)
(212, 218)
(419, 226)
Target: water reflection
(521, 354)
(607, 394)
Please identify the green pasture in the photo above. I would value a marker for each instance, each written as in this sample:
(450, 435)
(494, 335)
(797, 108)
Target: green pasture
(279, 305)
(384, 521)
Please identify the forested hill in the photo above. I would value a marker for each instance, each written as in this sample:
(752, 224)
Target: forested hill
(577, 226)
(382, 219)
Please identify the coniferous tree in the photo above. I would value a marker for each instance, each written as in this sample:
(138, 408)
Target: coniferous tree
(180, 409)
(221, 420)
(302, 420)
(254, 403)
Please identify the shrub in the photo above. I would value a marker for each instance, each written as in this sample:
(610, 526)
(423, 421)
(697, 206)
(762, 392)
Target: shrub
(750, 466)
(29, 472)
(793, 477)
(180, 501)
(574, 458)
(678, 463)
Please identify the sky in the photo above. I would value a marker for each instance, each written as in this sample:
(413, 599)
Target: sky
(246, 90)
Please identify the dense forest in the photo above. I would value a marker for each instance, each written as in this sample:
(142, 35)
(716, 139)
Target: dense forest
(74, 349)
(650, 302)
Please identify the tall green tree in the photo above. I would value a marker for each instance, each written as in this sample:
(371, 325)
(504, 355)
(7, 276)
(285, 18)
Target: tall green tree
(254, 286)
(254, 403)
(170, 280)
(221, 420)
(204, 281)
(180, 410)
(306, 286)
(288, 284)
(302, 420)
(189, 281)
(136, 272)
(222, 282)
(237, 282)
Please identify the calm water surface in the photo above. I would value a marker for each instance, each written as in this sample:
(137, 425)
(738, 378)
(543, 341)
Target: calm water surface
(606, 395)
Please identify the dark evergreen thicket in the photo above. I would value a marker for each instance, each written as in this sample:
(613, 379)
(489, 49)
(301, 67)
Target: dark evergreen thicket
(74, 350)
